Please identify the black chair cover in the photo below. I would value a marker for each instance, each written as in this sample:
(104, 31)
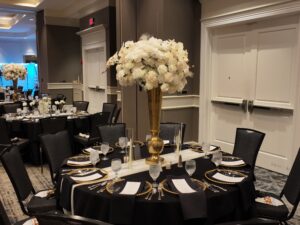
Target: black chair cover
(116, 115)
(81, 105)
(97, 120)
(110, 108)
(169, 130)
(111, 133)
(247, 144)
(4, 137)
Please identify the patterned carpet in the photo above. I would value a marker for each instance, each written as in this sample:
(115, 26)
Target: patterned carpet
(266, 181)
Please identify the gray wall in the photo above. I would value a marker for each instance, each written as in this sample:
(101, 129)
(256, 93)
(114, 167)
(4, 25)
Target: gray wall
(175, 19)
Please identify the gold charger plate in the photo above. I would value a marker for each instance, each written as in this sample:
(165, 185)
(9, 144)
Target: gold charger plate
(98, 148)
(209, 175)
(80, 158)
(86, 172)
(134, 143)
(234, 158)
(165, 187)
(146, 190)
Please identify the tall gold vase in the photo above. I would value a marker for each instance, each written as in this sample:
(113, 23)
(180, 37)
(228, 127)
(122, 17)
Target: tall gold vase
(155, 144)
(15, 94)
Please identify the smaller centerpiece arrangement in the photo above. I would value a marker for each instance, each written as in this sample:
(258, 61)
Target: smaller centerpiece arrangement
(14, 72)
(59, 104)
(44, 105)
(158, 66)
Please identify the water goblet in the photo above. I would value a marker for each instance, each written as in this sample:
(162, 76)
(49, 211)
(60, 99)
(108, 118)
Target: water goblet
(123, 141)
(104, 150)
(190, 167)
(116, 165)
(154, 171)
(217, 158)
(94, 157)
(205, 148)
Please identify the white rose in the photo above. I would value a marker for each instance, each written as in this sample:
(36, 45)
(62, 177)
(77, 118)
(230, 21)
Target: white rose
(24, 104)
(162, 69)
(56, 102)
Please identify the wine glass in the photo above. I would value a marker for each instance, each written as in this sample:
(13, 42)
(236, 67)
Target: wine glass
(154, 171)
(217, 158)
(123, 141)
(94, 157)
(116, 165)
(190, 167)
(104, 150)
(205, 148)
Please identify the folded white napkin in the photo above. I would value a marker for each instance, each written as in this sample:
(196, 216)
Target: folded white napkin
(225, 178)
(166, 142)
(269, 200)
(31, 222)
(42, 194)
(90, 149)
(233, 163)
(79, 163)
(182, 186)
(212, 147)
(94, 176)
(131, 188)
(84, 135)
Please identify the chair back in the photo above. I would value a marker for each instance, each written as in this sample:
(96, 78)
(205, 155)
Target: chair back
(11, 107)
(110, 108)
(3, 215)
(2, 96)
(16, 171)
(57, 148)
(52, 125)
(247, 144)
(116, 115)
(81, 105)
(4, 137)
(111, 133)
(97, 120)
(169, 130)
(291, 188)
(62, 219)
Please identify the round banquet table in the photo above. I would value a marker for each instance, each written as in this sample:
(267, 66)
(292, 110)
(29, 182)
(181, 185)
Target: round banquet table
(235, 203)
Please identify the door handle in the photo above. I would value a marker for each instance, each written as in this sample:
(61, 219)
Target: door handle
(244, 105)
(250, 106)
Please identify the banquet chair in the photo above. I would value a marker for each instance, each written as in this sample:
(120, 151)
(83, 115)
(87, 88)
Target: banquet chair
(291, 192)
(110, 108)
(116, 115)
(95, 120)
(111, 133)
(57, 148)
(56, 218)
(12, 107)
(2, 96)
(81, 105)
(31, 202)
(6, 140)
(255, 221)
(247, 144)
(3, 215)
(169, 130)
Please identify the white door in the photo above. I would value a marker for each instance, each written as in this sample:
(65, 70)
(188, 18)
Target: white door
(95, 79)
(254, 85)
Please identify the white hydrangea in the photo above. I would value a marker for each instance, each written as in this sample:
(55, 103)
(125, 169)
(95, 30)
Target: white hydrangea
(152, 63)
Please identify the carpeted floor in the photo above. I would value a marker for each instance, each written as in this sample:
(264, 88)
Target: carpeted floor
(266, 181)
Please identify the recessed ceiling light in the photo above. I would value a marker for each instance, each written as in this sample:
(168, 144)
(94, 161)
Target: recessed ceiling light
(29, 3)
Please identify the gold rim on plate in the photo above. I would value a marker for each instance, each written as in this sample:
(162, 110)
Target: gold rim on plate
(134, 143)
(148, 185)
(198, 182)
(233, 157)
(220, 171)
(76, 171)
(77, 157)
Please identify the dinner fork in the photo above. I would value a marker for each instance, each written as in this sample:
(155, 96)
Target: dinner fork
(210, 187)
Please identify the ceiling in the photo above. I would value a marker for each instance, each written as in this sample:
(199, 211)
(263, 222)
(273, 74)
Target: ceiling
(17, 17)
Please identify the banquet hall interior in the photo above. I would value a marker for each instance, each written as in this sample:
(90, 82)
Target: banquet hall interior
(149, 112)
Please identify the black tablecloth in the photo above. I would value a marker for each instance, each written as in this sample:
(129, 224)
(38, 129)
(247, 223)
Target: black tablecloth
(31, 130)
(222, 206)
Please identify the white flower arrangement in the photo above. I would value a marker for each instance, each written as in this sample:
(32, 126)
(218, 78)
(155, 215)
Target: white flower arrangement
(61, 102)
(33, 103)
(44, 105)
(152, 63)
(24, 104)
(14, 71)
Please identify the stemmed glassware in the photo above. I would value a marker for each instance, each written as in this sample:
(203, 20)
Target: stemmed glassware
(217, 158)
(94, 157)
(205, 149)
(116, 165)
(154, 171)
(190, 167)
(104, 150)
(123, 141)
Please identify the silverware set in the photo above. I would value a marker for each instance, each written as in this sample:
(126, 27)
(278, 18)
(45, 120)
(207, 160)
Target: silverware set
(213, 187)
(97, 185)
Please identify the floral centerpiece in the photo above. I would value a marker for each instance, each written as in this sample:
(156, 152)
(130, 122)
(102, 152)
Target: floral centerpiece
(14, 72)
(59, 104)
(44, 105)
(158, 66)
